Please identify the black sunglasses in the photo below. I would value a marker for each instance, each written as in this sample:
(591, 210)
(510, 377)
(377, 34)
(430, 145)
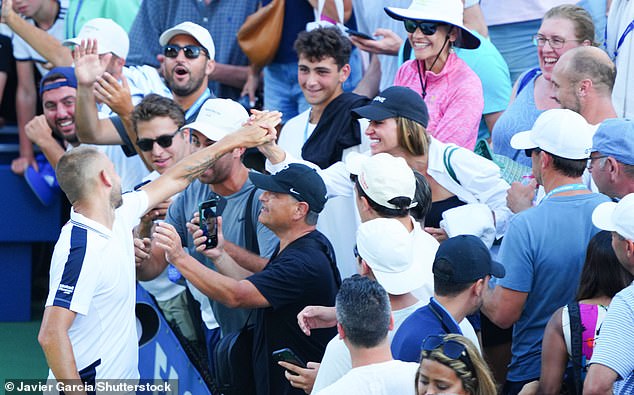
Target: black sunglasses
(451, 348)
(164, 141)
(190, 51)
(529, 151)
(428, 28)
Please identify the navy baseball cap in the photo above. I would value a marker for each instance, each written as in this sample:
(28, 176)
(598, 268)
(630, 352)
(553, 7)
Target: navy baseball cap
(615, 138)
(297, 180)
(465, 259)
(395, 101)
(62, 76)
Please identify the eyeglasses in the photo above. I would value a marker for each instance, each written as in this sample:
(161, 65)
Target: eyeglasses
(529, 151)
(164, 141)
(190, 51)
(593, 158)
(554, 42)
(451, 348)
(428, 28)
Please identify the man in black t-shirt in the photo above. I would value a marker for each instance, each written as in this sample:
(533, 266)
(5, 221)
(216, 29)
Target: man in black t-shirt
(301, 272)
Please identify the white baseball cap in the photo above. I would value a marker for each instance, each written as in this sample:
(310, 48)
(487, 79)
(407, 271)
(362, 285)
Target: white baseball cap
(218, 118)
(560, 132)
(383, 177)
(388, 248)
(199, 33)
(111, 38)
(616, 217)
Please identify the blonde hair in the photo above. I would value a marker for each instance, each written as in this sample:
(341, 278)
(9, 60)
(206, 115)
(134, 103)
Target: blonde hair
(76, 171)
(412, 136)
(477, 382)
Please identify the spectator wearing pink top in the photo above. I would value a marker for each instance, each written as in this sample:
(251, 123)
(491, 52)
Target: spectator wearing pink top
(451, 90)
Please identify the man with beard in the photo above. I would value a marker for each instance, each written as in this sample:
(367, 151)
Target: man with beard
(186, 63)
(88, 330)
(227, 180)
(58, 89)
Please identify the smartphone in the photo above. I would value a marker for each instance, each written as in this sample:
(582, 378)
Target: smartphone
(209, 222)
(287, 355)
(359, 34)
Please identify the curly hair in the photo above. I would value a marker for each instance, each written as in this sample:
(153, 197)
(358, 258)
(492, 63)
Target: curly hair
(324, 42)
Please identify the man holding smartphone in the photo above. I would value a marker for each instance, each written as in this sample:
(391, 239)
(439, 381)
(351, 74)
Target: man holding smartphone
(88, 330)
(227, 181)
(302, 271)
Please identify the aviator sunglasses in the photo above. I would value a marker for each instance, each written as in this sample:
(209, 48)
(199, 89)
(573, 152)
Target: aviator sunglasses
(190, 51)
(428, 28)
(164, 141)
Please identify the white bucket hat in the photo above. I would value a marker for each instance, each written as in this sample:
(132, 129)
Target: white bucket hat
(447, 11)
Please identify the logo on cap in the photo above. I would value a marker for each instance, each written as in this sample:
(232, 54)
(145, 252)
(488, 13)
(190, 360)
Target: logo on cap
(380, 99)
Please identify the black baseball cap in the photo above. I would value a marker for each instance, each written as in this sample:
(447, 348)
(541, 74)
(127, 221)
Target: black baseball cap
(393, 102)
(465, 259)
(297, 180)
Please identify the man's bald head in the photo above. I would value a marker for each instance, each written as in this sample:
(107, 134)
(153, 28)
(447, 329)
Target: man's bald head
(588, 62)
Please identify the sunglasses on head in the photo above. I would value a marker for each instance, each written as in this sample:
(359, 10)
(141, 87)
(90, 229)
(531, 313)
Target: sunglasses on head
(451, 348)
(164, 141)
(428, 28)
(190, 51)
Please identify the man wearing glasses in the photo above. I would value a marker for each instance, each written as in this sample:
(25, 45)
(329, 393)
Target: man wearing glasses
(612, 160)
(238, 204)
(544, 247)
(186, 63)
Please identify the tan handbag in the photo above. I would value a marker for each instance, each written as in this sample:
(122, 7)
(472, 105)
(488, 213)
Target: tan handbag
(260, 34)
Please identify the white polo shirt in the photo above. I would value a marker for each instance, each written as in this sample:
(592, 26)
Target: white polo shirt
(93, 274)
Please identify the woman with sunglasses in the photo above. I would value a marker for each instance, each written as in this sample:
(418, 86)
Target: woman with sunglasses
(450, 364)
(457, 176)
(564, 27)
(452, 91)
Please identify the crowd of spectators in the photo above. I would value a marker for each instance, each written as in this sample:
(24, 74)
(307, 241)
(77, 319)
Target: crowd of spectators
(380, 233)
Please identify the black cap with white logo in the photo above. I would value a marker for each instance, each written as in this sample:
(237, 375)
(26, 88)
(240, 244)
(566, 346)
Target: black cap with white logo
(297, 180)
(395, 101)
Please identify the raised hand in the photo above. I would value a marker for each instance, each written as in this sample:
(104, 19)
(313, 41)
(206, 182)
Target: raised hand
(88, 64)
(389, 44)
(114, 94)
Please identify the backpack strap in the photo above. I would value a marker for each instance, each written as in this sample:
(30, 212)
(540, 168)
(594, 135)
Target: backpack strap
(526, 78)
(447, 161)
(576, 332)
(250, 232)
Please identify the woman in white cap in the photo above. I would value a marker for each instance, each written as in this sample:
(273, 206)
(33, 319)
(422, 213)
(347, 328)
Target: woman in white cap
(452, 91)
(457, 176)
